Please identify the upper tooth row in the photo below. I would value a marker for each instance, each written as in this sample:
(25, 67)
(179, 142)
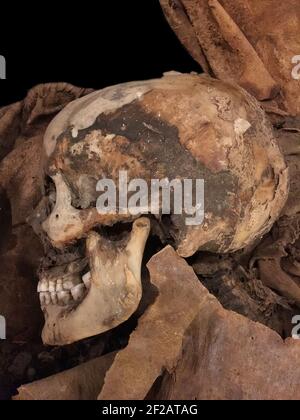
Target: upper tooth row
(62, 292)
(60, 285)
(63, 297)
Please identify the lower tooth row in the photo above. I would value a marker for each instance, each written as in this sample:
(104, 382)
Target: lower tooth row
(54, 298)
(45, 298)
(78, 292)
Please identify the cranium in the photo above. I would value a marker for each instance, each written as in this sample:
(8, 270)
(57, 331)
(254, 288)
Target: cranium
(177, 127)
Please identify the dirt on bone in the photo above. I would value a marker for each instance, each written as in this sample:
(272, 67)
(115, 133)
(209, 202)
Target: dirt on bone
(165, 129)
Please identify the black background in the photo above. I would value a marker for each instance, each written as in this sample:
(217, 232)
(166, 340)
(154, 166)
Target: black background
(88, 44)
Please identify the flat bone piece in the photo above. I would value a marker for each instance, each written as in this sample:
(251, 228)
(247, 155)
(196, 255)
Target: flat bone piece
(199, 350)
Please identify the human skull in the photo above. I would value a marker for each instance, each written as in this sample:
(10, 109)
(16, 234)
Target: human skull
(177, 127)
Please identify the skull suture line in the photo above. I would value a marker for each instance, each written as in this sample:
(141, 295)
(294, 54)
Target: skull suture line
(180, 126)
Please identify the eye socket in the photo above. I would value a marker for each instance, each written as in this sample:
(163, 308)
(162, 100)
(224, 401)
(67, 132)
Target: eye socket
(84, 192)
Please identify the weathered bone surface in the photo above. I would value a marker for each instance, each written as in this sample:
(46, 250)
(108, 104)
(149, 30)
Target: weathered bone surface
(77, 306)
(250, 42)
(180, 126)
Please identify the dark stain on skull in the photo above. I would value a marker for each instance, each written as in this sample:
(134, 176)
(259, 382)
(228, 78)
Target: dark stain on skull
(144, 139)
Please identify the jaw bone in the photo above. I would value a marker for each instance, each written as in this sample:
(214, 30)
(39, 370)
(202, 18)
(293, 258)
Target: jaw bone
(113, 289)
